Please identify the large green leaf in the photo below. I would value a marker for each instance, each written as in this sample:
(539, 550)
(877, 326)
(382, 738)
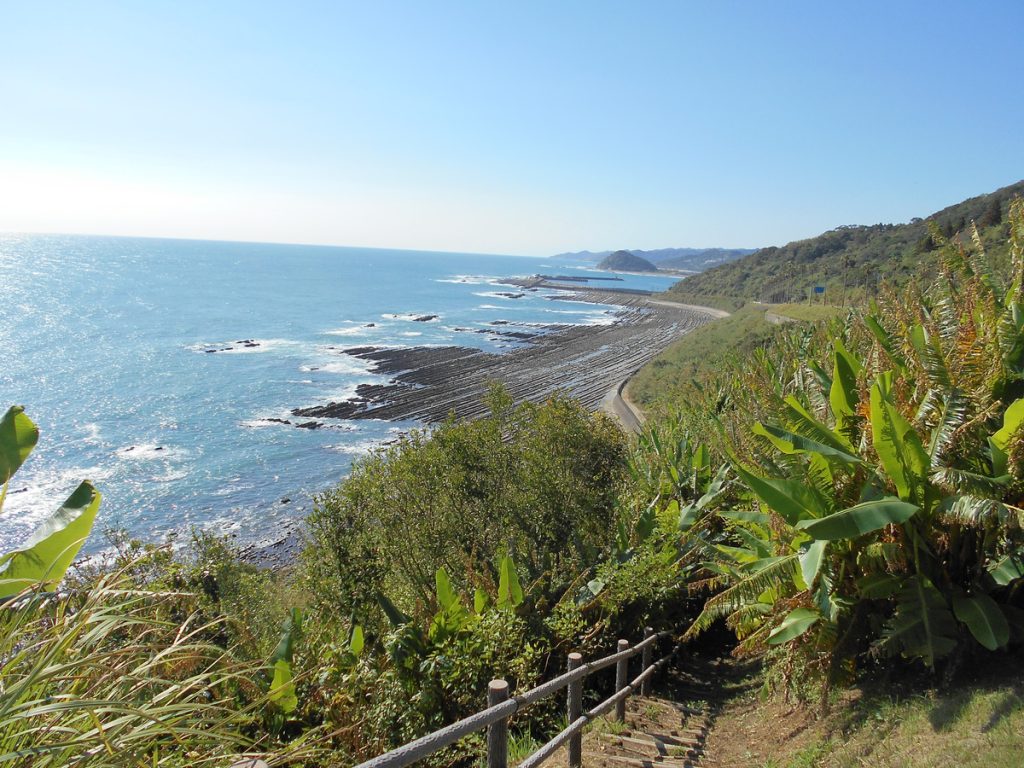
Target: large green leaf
(795, 624)
(18, 436)
(510, 593)
(446, 596)
(791, 442)
(396, 617)
(858, 520)
(811, 560)
(885, 340)
(843, 395)
(356, 641)
(1013, 417)
(898, 446)
(792, 499)
(282, 688)
(50, 550)
(480, 600)
(984, 618)
(1007, 569)
(804, 423)
(922, 626)
(1000, 441)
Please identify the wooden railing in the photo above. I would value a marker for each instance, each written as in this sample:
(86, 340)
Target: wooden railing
(500, 707)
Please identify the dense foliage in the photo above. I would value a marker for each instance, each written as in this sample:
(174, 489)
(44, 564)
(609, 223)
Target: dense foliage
(851, 261)
(878, 470)
(838, 496)
(536, 482)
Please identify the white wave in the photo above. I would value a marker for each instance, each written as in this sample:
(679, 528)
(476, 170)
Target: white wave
(354, 330)
(571, 311)
(469, 279)
(170, 476)
(92, 432)
(412, 333)
(247, 346)
(413, 317)
(264, 419)
(360, 448)
(343, 364)
(505, 308)
(151, 452)
(500, 294)
(33, 499)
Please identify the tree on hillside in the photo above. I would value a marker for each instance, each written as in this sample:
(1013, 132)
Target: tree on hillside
(992, 216)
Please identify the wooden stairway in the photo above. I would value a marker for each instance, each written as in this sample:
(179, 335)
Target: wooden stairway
(658, 732)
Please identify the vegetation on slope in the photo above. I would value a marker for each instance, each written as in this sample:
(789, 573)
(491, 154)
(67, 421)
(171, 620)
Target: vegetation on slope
(624, 261)
(879, 480)
(662, 384)
(977, 721)
(665, 382)
(851, 262)
(845, 498)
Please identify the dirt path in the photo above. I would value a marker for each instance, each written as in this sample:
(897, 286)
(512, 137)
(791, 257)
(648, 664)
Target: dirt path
(675, 728)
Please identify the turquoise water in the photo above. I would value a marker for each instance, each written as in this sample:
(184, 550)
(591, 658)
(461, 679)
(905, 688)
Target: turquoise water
(104, 341)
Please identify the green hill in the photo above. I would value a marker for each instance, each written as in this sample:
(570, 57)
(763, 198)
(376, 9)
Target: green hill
(850, 259)
(624, 261)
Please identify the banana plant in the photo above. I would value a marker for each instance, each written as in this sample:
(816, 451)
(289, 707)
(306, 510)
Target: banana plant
(860, 475)
(43, 560)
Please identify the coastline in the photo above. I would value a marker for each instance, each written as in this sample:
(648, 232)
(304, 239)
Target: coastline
(592, 363)
(428, 384)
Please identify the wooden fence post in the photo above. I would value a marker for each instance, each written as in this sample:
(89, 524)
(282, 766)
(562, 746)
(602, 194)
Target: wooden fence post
(573, 710)
(497, 732)
(645, 686)
(621, 672)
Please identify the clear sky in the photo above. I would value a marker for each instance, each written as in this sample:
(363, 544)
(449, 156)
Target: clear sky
(508, 127)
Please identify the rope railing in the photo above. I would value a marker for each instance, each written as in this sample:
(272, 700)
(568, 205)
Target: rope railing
(500, 707)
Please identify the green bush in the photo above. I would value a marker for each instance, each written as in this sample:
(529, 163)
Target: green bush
(883, 464)
(536, 481)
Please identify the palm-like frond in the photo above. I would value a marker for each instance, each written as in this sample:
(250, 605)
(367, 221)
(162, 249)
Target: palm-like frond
(777, 574)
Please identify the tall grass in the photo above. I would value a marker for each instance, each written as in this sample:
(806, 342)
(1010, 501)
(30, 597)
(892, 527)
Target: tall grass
(117, 676)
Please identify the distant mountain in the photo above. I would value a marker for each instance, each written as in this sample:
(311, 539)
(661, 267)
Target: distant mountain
(685, 259)
(624, 261)
(590, 256)
(851, 257)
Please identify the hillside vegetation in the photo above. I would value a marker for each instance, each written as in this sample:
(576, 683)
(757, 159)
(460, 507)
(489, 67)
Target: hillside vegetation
(851, 262)
(844, 502)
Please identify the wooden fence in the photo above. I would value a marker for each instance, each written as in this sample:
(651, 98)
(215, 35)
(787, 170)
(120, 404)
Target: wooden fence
(500, 707)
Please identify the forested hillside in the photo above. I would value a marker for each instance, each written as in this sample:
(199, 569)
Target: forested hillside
(851, 260)
(842, 502)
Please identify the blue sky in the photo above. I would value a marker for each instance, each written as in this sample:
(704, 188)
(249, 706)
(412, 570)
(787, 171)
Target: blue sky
(527, 127)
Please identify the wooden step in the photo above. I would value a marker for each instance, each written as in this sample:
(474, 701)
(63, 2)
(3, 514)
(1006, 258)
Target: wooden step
(651, 763)
(661, 745)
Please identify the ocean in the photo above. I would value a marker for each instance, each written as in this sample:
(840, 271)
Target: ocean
(159, 368)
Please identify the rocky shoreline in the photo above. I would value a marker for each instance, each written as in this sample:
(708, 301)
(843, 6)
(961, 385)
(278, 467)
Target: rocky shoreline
(429, 383)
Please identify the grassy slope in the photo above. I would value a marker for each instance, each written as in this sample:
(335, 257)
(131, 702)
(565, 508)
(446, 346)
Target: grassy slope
(808, 312)
(861, 256)
(978, 722)
(699, 352)
(702, 351)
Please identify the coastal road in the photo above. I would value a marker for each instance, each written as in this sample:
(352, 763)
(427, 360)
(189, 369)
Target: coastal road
(617, 403)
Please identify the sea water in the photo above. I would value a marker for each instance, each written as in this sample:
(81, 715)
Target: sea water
(107, 343)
